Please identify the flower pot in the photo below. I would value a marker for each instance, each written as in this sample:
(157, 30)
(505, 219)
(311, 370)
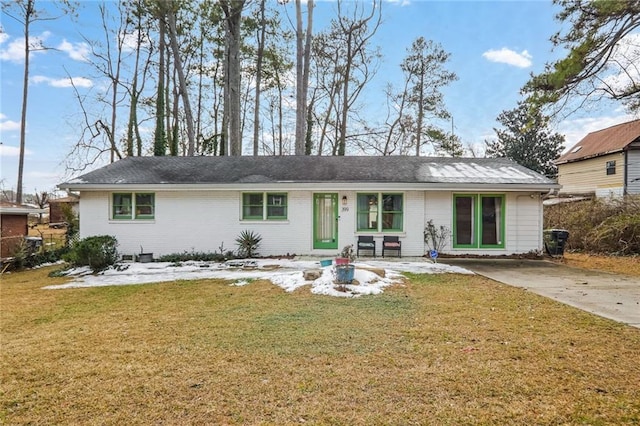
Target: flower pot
(345, 273)
(342, 260)
(326, 262)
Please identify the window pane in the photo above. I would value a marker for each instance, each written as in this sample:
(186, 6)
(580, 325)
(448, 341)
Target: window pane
(276, 206)
(145, 206)
(464, 221)
(491, 220)
(367, 212)
(611, 167)
(391, 211)
(252, 206)
(122, 206)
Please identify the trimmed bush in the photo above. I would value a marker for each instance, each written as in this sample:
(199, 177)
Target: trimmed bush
(98, 252)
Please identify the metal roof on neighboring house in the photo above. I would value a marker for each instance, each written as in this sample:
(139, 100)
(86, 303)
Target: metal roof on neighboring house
(240, 170)
(601, 142)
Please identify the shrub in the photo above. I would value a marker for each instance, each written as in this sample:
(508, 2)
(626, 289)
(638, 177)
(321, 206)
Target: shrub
(435, 237)
(197, 256)
(248, 243)
(72, 221)
(98, 252)
(609, 225)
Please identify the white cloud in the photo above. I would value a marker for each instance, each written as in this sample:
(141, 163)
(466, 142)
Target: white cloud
(11, 151)
(14, 51)
(509, 57)
(8, 125)
(62, 82)
(622, 68)
(400, 3)
(3, 37)
(76, 51)
(576, 129)
(130, 41)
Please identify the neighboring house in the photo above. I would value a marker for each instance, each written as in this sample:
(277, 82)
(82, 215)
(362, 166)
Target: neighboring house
(57, 206)
(14, 226)
(312, 205)
(604, 163)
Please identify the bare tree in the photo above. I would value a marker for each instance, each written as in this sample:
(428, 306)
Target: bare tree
(233, 17)
(303, 54)
(42, 199)
(25, 12)
(184, 92)
(344, 63)
(357, 35)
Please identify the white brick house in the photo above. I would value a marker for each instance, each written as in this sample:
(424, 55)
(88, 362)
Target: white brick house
(312, 205)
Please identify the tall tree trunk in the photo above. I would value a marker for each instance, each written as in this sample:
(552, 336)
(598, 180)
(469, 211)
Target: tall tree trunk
(233, 17)
(260, 53)
(160, 137)
(303, 54)
(420, 121)
(28, 13)
(199, 136)
(184, 93)
(305, 77)
(133, 107)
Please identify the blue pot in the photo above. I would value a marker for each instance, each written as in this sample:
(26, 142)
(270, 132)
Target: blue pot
(345, 273)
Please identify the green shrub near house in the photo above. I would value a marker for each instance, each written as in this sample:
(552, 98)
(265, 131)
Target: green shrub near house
(97, 252)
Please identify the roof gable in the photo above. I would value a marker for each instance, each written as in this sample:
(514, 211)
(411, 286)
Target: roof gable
(602, 142)
(241, 170)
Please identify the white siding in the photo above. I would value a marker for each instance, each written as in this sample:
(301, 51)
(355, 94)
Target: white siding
(205, 220)
(527, 221)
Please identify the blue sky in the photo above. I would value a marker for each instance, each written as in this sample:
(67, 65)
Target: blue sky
(494, 47)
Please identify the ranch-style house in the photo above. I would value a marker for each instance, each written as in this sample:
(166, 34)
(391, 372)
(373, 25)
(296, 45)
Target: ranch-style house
(313, 205)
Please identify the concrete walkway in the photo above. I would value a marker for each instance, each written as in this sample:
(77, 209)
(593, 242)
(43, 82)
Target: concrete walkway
(612, 296)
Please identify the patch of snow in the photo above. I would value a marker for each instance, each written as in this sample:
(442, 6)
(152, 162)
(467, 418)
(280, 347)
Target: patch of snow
(285, 273)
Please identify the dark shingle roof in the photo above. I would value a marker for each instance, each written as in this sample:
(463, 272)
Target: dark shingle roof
(309, 169)
(601, 142)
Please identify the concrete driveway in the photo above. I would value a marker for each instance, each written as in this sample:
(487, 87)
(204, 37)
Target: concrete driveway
(609, 295)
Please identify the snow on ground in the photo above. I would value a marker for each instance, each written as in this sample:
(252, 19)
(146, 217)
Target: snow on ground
(285, 273)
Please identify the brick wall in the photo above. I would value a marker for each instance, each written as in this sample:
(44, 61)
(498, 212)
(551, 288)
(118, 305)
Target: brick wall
(14, 227)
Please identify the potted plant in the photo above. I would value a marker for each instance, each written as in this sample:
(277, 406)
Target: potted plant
(346, 256)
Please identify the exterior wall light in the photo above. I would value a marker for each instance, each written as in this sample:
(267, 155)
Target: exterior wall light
(344, 200)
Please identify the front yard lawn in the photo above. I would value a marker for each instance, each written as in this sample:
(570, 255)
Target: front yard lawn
(440, 349)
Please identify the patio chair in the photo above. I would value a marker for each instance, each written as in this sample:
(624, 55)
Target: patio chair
(366, 243)
(393, 244)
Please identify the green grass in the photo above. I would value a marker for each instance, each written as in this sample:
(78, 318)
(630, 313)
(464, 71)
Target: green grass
(440, 349)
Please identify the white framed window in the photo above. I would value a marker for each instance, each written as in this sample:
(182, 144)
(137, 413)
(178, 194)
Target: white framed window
(264, 206)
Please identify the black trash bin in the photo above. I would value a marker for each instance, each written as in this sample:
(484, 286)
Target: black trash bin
(555, 240)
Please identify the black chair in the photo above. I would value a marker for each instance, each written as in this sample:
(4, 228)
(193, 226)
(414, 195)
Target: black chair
(393, 244)
(366, 243)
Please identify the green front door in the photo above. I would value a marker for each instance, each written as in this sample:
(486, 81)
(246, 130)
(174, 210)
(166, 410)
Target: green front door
(325, 221)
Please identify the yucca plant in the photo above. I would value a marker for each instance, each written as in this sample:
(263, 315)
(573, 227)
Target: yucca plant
(248, 243)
